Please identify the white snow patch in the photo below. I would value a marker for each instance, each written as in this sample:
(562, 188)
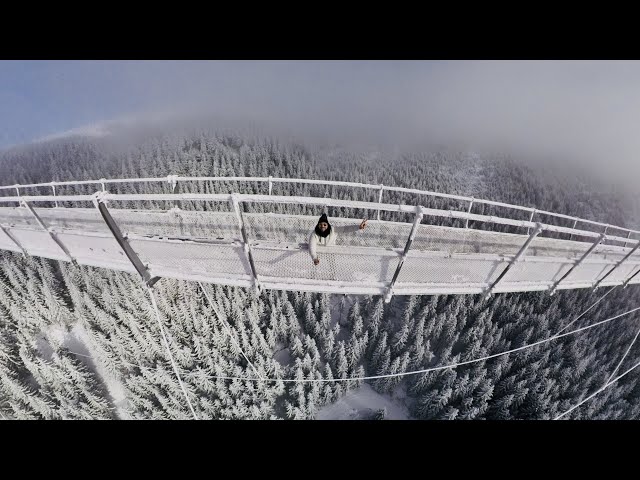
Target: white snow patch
(77, 341)
(362, 404)
(80, 337)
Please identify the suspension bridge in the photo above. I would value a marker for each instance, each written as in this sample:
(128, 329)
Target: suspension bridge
(231, 245)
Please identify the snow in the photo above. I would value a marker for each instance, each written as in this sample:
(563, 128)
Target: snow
(79, 338)
(77, 341)
(363, 403)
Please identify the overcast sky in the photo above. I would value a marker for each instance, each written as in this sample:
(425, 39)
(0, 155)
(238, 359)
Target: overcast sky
(566, 110)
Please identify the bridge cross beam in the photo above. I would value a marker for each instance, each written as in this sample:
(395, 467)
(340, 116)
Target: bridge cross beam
(52, 234)
(633, 250)
(489, 291)
(626, 282)
(8, 233)
(600, 239)
(414, 229)
(245, 239)
(100, 203)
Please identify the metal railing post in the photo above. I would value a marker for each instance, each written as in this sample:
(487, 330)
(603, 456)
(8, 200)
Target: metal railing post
(173, 181)
(575, 222)
(380, 199)
(53, 236)
(466, 224)
(412, 235)
(533, 212)
(142, 270)
(554, 287)
(17, 185)
(247, 247)
(515, 260)
(53, 187)
(270, 184)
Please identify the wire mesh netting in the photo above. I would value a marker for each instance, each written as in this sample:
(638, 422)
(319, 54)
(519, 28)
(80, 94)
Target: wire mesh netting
(38, 243)
(620, 273)
(443, 270)
(587, 272)
(73, 219)
(541, 272)
(94, 250)
(18, 216)
(297, 229)
(211, 225)
(6, 243)
(201, 259)
(372, 268)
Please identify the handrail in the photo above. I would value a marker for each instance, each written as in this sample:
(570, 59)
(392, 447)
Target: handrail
(283, 199)
(460, 198)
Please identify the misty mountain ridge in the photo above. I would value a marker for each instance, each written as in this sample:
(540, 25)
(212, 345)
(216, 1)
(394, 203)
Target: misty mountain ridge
(492, 176)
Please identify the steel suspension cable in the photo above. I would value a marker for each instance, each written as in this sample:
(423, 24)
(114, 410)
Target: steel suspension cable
(414, 372)
(597, 391)
(166, 344)
(228, 329)
(580, 316)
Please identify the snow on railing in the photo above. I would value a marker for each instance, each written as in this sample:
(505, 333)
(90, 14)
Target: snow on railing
(388, 288)
(327, 202)
(173, 179)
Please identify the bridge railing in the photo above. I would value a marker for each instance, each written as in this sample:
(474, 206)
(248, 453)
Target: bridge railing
(241, 248)
(467, 202)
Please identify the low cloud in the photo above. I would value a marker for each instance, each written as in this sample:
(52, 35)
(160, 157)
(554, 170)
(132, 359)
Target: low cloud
(584, 113)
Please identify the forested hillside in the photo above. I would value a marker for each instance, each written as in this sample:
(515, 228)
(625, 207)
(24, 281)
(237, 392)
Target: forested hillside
(292, 335)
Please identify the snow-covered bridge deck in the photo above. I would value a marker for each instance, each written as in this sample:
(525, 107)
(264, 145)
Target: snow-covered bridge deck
(268, 250)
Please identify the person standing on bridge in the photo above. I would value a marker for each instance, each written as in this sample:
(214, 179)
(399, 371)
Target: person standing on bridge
(325, 235)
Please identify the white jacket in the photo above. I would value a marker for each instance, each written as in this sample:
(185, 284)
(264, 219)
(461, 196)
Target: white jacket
(315, 240)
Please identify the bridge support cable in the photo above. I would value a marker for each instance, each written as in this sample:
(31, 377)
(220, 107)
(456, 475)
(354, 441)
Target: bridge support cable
(587, 310)
(414, 229)
(597, 391)
(166, 345)
(515, 260)
(554, 287)
(227, 327)
(8, 233)
(633, 250)
(143, 271)
(53, 236)
(623, 357)
(626, 282)
(247, 247)
(425, 370)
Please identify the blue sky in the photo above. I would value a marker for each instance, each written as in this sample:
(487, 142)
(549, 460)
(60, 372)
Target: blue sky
(586, 111)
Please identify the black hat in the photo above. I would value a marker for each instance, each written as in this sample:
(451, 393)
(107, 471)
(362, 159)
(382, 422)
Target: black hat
(323, 218)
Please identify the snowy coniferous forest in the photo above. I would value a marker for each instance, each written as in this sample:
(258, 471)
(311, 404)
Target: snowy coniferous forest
(293, 335)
